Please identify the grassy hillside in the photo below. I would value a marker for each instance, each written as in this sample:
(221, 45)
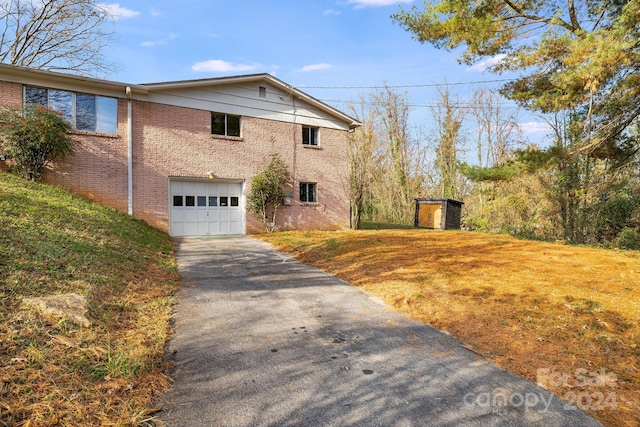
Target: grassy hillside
(565, 316)
(52, 369)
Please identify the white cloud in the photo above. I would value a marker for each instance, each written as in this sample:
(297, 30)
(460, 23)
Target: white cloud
(150, 43)
(220, 66)
(535, 128)
(481, 66)
(118, 12)
(313, 67)
(376, 3)
(160, 42)
(330, 12)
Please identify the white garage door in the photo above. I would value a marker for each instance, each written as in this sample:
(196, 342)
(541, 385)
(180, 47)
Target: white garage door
(205, 208)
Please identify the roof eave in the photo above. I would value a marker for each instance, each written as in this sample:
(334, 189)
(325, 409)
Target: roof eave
(25, 74)
(181, 84)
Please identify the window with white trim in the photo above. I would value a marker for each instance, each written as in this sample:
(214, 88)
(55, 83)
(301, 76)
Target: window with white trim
(85, 112)
(225, 124)
(308, 192)
(309, 135)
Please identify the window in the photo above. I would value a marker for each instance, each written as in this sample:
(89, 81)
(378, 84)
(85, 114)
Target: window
(309, 135)
(307, 192)
(262, 92)
(225, 124)
(83, 111)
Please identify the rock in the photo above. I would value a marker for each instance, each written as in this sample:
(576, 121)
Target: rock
(71, 306)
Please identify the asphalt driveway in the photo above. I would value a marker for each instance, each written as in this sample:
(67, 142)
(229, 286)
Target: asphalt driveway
(262, 340)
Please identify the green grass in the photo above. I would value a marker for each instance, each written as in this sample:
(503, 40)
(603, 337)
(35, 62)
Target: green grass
(53, 242)
(368, 225)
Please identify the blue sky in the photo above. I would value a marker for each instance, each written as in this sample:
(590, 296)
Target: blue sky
(334, 50)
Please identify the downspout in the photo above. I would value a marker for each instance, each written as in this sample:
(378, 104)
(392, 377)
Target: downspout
(295, 144)
(129, 154)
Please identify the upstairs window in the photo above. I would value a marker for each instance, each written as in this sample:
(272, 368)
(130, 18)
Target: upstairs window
(309, 135)
(308, 192)
(83, 111)
(225, 124)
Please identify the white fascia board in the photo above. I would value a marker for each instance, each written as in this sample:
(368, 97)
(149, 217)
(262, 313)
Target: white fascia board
(60, 81)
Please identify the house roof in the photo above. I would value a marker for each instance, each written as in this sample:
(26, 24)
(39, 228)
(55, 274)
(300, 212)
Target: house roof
(141, 91)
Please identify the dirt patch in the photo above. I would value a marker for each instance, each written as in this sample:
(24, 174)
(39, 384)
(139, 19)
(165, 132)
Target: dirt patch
(71, 306)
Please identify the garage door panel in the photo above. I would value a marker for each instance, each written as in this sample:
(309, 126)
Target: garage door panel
(190, 229)
(203, 215)
(190, 215)
(205, 208)
(213, 228)
(177, 229)
(203, 228)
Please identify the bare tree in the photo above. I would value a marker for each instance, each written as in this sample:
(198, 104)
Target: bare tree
(395, 183)
(362, 147)
(56, 35)
(448, 117)
(497, 130)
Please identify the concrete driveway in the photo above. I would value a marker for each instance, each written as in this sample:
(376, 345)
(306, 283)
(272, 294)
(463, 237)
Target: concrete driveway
(261, 340)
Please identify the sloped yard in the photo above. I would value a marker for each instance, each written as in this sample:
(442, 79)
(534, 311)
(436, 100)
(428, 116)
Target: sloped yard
(104, 366)
(567, 317)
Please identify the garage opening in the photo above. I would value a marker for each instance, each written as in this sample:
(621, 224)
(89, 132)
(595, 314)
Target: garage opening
(206, 208)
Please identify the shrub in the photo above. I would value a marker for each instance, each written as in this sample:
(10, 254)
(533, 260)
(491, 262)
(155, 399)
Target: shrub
(628, 239)
(267, 192)
(33, 137)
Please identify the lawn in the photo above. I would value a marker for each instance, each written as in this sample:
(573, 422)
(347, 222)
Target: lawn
(567, 317)
(54, 371)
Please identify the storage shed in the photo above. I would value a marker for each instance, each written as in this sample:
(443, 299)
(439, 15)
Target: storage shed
(439, 214)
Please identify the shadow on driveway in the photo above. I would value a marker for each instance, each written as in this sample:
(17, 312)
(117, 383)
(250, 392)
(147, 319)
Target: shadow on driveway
(262, 340)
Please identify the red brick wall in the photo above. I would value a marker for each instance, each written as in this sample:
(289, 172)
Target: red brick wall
(98, 167)
(10, 94)
(174, 141)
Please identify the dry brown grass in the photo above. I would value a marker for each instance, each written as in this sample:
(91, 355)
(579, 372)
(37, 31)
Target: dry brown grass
(525, 305)
(52, 370)
(58, 373)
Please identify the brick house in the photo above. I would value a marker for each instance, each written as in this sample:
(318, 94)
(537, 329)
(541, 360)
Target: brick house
(181, 155)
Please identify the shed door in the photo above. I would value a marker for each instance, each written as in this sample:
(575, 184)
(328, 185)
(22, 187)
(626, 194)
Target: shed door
(199, 208)
(429, 216)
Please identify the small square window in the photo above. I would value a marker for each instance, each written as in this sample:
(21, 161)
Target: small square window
(234, 201)
(309, 135)
(262, 92)
(225, 124)
(308, 192)
(190, 201)
(213, 201)
(202, 200)
(177, 200)
(224, 201)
